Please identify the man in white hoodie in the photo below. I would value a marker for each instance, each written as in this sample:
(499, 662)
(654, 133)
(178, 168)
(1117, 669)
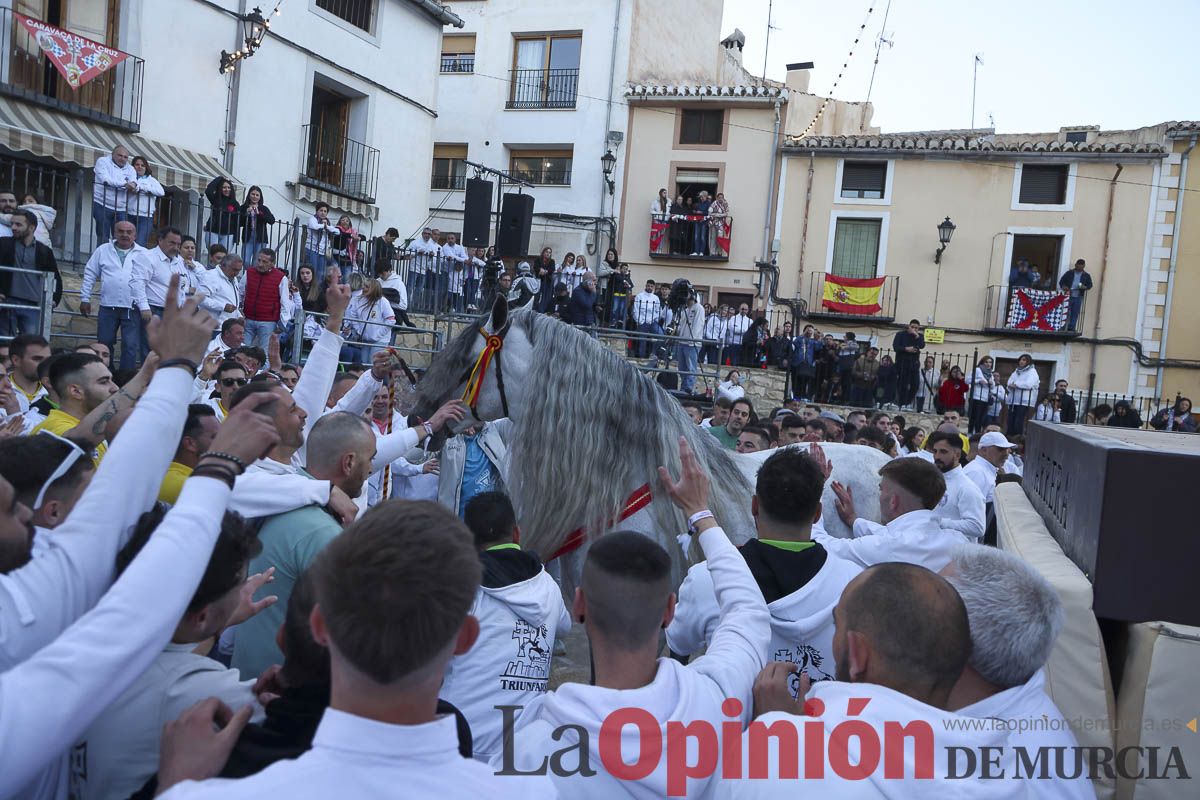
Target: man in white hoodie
(691, 335)
(800, 581)
(961, 508)
(909, 490)
(520, 611)
(902, 640)
(624, 601)
(1015, 616)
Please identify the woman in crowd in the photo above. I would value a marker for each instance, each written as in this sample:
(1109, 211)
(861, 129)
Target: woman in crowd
(1023, 385)
(317, 236)
(719, 224)
(546, 271)
(256, 222)
(345, 246)
(222, 225)
(982, 389)
(886, 381)
(45, 215)
(1048, 410)
(731, 387)
(395, 292)
(475, 266)
(1098, 415)
(754, 343)
(911, 441)
(605, 271)
(369, 318)
(567, 273)
(1175, 418)
(144, 202)
(927, 385)
(996, 407)
(312, 300)
(953, 393)
(1124, 416)
(195, 269)
(622, 288)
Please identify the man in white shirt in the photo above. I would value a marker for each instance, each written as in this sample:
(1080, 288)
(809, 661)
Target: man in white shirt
(714, 334)
(454, 258)
(152, 271)
(988, 463)
(624, 601)
(691, 334)
(961, 508)
(381, 730)
(647, 310)
(119, 752)
(425, 251)
(734, 333)
(1015, 616)
(8, 207)
(222, 290)
(113, 178)
(112, 265)
(231, 337)
(909, 490)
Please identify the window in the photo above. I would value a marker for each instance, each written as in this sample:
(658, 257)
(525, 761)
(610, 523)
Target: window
(866, 180)
(449, 166)
(545, 71)
(702, 126)
(359, 13)
(856, 247)
(544, 167)
(691, 182)
(1044, 184)
(458, 53)
(1077, 137)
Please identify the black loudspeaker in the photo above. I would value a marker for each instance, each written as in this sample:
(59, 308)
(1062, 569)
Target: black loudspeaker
(477, 214)
(516, 217)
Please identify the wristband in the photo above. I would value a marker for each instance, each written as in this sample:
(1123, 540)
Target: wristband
(224, 457)
(428, 429)
(226, 476)
(698, 517)
(186, 363)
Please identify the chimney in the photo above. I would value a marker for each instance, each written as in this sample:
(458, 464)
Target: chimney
(798, 76)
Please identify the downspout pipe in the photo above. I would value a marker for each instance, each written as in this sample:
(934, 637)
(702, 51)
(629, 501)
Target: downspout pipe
(1171, 267)
(766, 245)
(1112, 190)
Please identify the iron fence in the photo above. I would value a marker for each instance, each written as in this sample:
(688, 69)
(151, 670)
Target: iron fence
(458, 62)
(542, 88)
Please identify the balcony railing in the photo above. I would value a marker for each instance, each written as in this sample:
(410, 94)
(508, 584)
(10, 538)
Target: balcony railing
(460, 62)
(546, 177)
(543, 88)
(691, 237)
(332, 162)
(846, 301)
(113, 97)
(448, 182)
(1033, 312)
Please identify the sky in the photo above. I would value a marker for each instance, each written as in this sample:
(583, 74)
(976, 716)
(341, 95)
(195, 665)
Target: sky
(1046, 63)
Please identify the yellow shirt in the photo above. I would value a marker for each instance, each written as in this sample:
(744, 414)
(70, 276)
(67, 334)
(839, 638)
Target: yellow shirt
(59, 422)
(172, 483)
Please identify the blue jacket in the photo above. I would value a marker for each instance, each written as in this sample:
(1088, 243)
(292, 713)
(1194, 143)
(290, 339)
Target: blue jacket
(582, 309)
(1068, 280)
(804, 350)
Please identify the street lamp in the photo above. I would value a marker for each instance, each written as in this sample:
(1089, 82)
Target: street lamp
(610, 162)
(945, 231)
(254, 31)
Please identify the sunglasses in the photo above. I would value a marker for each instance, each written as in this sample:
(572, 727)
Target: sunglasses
(227, 382)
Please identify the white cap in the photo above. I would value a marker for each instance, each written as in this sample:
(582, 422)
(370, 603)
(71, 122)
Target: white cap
(995, 439)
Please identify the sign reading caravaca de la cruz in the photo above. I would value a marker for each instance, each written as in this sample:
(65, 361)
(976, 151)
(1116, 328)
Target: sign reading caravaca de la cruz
(76, 58)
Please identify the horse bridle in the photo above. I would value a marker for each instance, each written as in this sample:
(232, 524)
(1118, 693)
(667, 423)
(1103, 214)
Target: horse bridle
(474, 375)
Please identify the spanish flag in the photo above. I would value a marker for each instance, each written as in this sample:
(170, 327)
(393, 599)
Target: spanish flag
(852, 295)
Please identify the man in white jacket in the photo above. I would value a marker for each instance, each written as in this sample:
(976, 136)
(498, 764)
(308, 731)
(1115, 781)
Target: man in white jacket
(800, 581)
(1015, 616)
(112, 265)
(691, 334)
(647, 310)
(520, 611)
(909, 490)
(961, 508)
(902, 640)
(113, 179)
(989, 460)
(625, 599)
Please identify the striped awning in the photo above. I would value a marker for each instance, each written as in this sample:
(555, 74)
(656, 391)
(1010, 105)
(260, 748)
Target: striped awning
(355, 208)
(52, 134)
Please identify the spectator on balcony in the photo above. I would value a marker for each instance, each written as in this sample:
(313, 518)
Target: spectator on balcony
(622, 288)
(222, 225)
(647, 310)
(425, 252)
(953, 392)
(544, 269)
(661, 206)
(112, 265)
(1065, 402)
(22, 251)
(691, 334)
(700, 225)
(344, 245)
(369, 318)
(143, 200)
(454, 259)
(1022, 276)
(679, 229)
(45, 214)
(1023, 385)
(256, 222)
(719, 223)
(735, 333)
(886, 383)
(865, 376)
(1048, 410)
(318, 236)
(1174, 418)
(983, 386)
(1124, 416)
(113, 178)
(1077, 282)
(265, 299)
(222, 289)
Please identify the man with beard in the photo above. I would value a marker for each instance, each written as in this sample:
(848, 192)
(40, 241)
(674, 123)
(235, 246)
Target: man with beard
(740, 412)
(82, 383)
(961, 508)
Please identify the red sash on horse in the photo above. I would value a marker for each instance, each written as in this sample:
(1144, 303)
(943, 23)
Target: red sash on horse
(640, 498)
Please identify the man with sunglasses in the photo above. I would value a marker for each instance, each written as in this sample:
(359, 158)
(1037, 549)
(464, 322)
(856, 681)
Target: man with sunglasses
(230, 377)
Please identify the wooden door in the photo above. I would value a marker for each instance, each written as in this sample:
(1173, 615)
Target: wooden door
(327, 136)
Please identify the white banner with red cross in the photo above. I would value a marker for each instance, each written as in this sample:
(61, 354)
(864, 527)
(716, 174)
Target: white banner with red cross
(76, 58)
(1037, 309)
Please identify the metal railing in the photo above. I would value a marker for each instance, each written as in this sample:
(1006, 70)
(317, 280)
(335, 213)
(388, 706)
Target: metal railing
(448, 182)
(113, 97)
(420, 344)
(1034, 312)
(458, 62)
(542, 177)
(542, 88)
(359, 13)
(25, 314)
(691, 236)
(842, 304)
(339, 164)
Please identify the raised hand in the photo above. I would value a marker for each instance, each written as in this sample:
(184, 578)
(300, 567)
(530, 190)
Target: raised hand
(381, 365)
(273, 357)
(337, 300)
(184, 331)
(817, 453)
(247, 605)
(844, 503)
(690, 493)
(454, 410)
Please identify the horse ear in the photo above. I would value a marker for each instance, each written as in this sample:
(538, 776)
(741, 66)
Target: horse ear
(499, 313)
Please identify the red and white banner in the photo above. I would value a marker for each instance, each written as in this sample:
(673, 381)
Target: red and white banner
(77, 59)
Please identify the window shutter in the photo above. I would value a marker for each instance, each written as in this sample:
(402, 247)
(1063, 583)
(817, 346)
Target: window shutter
(701, 126)
(449, 151)
(1044, 184)
(864, 178)
(457, 45)
(856, 248)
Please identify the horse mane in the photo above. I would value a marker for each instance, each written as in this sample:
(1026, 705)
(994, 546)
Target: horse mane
(599, 430)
